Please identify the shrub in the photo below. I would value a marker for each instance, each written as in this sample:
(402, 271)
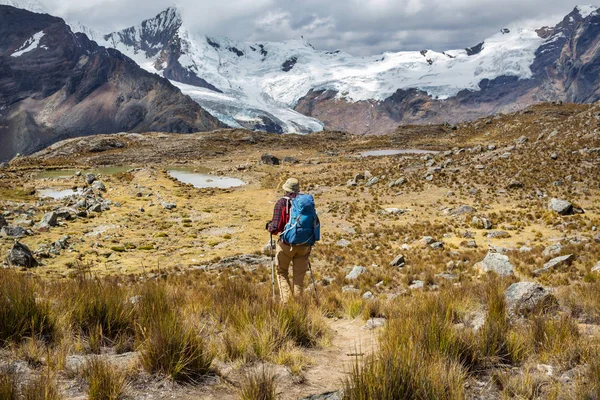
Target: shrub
(21, 316)
(259, 385)
(172, 349)
(100, 310)
(104, 381)
(41, 388)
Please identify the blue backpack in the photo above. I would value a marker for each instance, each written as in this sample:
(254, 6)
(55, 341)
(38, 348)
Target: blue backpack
(303, 226)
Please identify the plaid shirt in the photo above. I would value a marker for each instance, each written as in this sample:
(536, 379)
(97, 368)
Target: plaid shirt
(277, 213)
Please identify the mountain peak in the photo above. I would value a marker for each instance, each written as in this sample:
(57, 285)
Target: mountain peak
(29, 5)
(586, 10)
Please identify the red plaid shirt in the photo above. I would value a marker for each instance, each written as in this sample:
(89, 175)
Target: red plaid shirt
(277, 224)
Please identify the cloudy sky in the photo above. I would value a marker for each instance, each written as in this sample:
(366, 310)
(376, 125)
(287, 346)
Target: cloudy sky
(360, 27)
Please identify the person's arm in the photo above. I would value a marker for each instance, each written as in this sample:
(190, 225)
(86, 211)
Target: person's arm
(272, 226)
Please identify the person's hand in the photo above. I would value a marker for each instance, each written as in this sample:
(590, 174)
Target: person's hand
(268, 225)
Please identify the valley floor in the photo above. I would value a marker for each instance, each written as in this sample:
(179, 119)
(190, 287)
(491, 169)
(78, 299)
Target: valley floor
(470, 220)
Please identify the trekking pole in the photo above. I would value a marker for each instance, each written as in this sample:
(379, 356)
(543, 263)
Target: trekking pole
(272, 268)
(312, 276)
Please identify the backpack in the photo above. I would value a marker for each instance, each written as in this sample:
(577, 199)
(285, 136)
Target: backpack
(303, 226)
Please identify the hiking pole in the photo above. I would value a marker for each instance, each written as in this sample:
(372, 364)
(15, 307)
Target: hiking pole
(312, 276)
(272, 268)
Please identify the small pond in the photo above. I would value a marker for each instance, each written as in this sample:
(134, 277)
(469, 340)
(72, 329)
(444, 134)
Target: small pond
(67, 173)
(393, 152)
(57, 194)
(204, 180)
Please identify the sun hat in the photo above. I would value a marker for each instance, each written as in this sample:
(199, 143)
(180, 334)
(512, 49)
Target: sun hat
(291, 185)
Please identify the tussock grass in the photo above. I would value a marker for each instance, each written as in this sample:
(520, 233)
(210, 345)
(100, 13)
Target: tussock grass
(104, 381)
(8, 386)
(258, 385)
(21, 315)
(42, 387)
(100, 311)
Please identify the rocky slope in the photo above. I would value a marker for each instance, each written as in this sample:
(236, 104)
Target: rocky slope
(55, 84)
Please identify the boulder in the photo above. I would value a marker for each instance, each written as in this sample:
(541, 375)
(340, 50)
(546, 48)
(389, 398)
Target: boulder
(561, 207)
(482, 223)
(496, 262)
(337, 395)
(497, 235)
(351, 183)
(269, 159)
(557, 262)
(13, 231)
(398, 182)
(90, 178)
(342, 243)
(596, 268)
(99, 186)
(49, 219)
(66, 213)
(552, 250)
(359, 177)
(462, 210)
(514, 184)
(427, 240)
(437, 245)
(367, 295)
(21, 256)
(399, 261)
(290, 160)
(373, 323)
(373, 181)
(524, 298)
(417, 285)
(168, 206)
(356, 272)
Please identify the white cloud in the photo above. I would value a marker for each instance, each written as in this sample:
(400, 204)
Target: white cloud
(356, 26)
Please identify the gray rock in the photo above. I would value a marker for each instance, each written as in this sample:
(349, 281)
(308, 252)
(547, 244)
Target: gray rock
(524, 298)
(95, 207)
(342, 243)
(290, 160)
(471, 244)
(597, 238)
(554, 156)
(21, 256)
(62, 243)
(497, 235)
(99, 186)
(359, 177)
(525, 249)
(356, 272)
(462, 210)
(3, 165)
(399, 261)
(514, 184)
(367, 175)
(561, 207)
(557, 262)
(417, 285)
(367, 295)
(596, 268)
(90, 178)
(482, 223)
(269, 159)
(522, 140)
(395, 211)
(66, 213)
(437, 245)
(49, 219)
(350, 289)
(373, 181)
(398, 182)
(427, 240)
(168, 206)
(337, 395)
(495, 262)
(552, 250)
(13, 231)
(351, 183)
(374, 323)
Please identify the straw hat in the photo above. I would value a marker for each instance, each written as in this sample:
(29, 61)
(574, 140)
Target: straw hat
(291, 185)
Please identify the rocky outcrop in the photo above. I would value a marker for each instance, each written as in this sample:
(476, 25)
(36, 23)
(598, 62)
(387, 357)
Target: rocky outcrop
(55, 84)
(21, 256)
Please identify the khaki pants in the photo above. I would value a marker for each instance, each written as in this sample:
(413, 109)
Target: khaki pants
(298, 256)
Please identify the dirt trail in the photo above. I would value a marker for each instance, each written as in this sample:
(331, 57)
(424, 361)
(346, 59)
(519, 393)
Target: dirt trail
(331, 365)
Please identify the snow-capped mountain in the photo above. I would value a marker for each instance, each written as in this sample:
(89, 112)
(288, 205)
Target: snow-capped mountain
(263, 85)
(55, 84)
(293, 87)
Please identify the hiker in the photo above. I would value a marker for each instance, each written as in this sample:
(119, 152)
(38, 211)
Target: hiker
(296, 222)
